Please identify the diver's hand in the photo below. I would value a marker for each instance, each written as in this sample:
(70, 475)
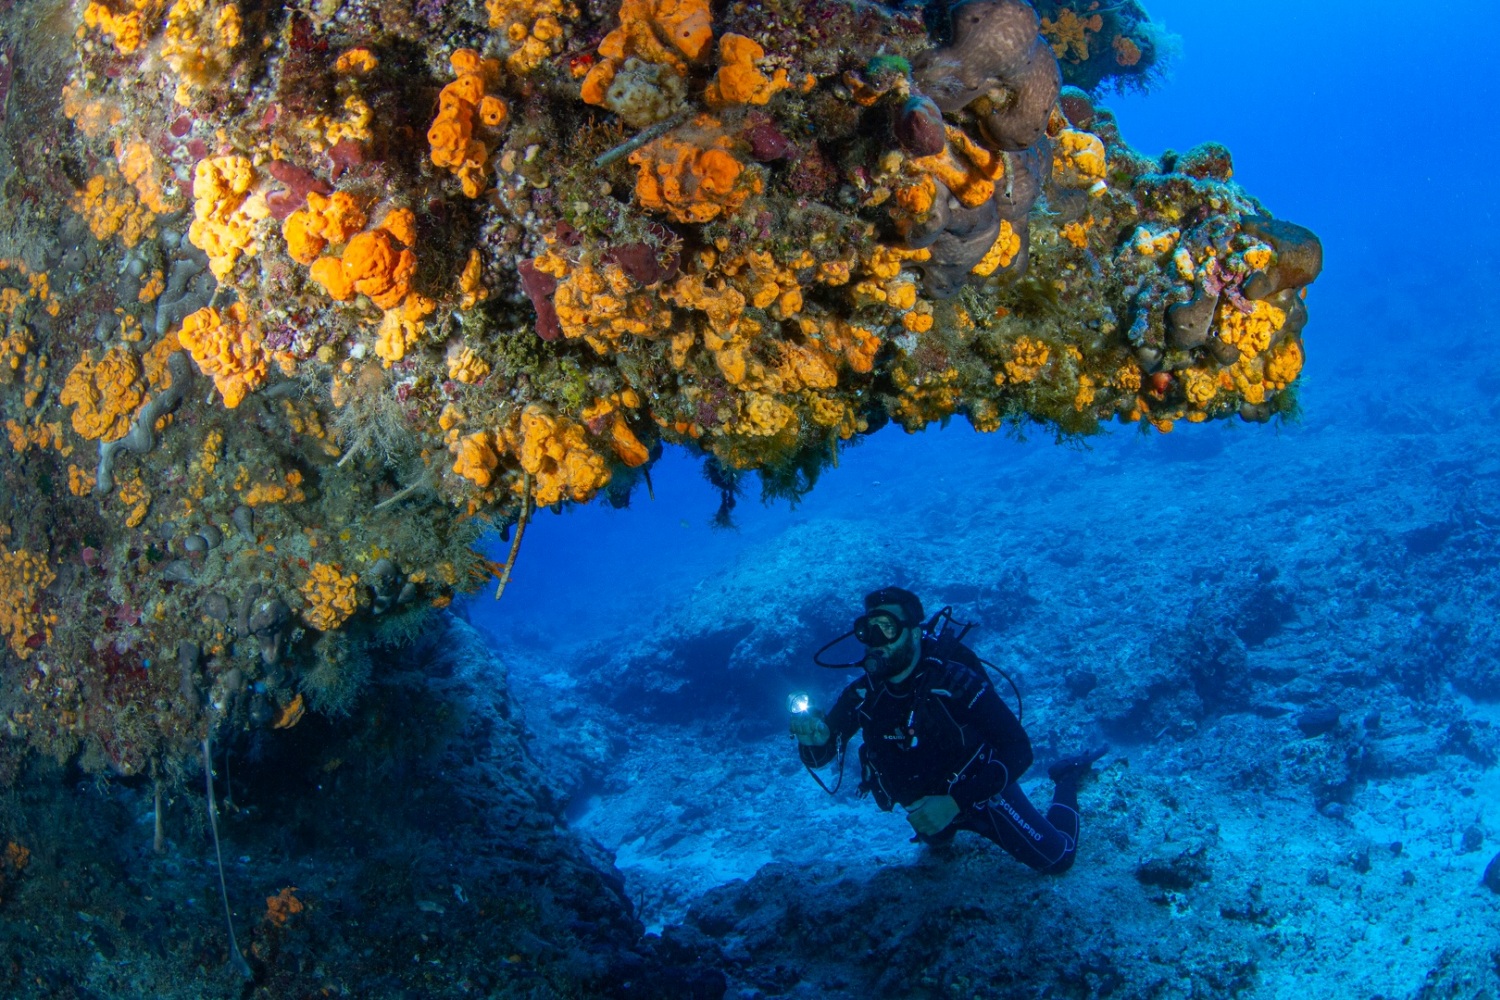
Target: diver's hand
(810, 729)
(931, 814)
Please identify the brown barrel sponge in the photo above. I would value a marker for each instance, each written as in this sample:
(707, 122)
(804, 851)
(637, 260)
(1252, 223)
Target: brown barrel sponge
(965, 240)
(1299, 256)
(1022, 185)
(997, 45)
(1021, 119)
(1188, 322)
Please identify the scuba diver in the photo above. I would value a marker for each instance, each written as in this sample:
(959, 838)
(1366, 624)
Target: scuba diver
(938, 740)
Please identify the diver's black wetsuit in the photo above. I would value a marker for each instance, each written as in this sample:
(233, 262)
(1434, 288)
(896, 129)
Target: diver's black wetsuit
(945, 731)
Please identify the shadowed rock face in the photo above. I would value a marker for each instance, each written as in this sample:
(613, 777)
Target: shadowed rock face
(421, 825)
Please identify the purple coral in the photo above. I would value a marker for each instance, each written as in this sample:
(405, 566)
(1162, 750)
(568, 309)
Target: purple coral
(767, 142)
(432, 11)
(280, 337)
(539, 286)
(297, 183)
(1220, 279)
(919, 127)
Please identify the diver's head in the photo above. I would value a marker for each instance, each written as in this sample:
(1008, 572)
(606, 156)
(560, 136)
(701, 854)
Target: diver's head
(891, 630)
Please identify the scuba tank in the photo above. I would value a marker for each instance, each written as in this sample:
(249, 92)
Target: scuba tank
(946, 634)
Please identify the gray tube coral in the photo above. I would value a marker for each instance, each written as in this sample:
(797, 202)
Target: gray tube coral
(141, 438)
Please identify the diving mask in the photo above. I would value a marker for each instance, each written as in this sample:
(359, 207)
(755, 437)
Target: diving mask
(878, 628)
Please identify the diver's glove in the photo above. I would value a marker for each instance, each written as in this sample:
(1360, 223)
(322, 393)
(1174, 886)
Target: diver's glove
(810, 729)
(1071, 770)
(931, 814)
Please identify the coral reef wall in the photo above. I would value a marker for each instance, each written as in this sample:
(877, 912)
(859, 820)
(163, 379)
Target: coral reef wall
(300, 299)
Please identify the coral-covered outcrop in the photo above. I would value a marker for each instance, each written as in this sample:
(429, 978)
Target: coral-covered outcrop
(442, 269)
